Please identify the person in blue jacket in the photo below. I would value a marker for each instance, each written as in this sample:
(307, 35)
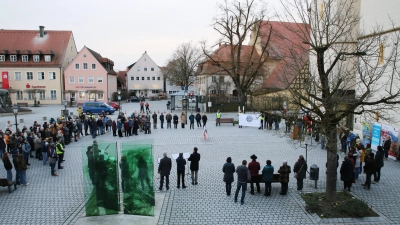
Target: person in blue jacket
(351, 140)
(268, 172)
(191, 118)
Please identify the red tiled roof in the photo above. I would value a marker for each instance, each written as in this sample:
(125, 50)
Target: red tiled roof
(286, 43)
(102, 61)
(20, 41)
(122, 76)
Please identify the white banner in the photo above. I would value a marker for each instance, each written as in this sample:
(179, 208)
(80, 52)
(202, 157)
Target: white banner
(249, 120)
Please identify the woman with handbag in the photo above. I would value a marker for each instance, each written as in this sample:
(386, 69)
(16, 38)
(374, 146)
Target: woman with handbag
(300, 169)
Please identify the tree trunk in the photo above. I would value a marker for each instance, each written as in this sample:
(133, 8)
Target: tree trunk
(332, 162)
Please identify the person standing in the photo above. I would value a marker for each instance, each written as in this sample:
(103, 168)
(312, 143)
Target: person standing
(386, 146)
(53, 159)
(268, 174)
(164, 169)
(162, 120)
(194, 165)
(176, 120)
(254, 167)
(300, 168)
(218, 115)
(168, 117)
(198, 119)
(183, 120)
(141, 107)
(26, 150)
(147, 107)
(2, 146)
(7, 165)
(60, 153)
(204, 119)
(346, 173)
(378, 164)
(114, 128)
(369, 169)
(191, 119)
(243, 176)
(154, 120)
(262, 121)
(228, 169)
(135, 126)
(284, 172)
(180, 165)
(22, 169)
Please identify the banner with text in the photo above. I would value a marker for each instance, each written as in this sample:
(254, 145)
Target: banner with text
(4, 79)
(393, 132)
(249, 120)
(376, 136)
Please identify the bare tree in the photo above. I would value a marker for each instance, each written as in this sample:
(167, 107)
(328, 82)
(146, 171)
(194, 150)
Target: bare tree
(348, 72)
(243, 64)
(181, 67)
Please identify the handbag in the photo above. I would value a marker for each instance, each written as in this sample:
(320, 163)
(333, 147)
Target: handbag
(296, 175)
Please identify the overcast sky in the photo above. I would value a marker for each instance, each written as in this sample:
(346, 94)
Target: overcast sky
(121, 30)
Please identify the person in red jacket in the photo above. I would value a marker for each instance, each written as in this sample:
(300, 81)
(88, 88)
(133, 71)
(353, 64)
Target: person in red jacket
(254, 167)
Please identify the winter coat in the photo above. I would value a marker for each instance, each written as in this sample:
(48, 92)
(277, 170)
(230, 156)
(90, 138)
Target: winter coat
(119, 125)
(114, 125)
(198, 117)
(194, 159)
(346, 171)
(183, 118)
(176, 119)
(284, 174)
(268, 173)
(191, 118)
(369, 165)
(242, 173)
(154, 118)
(379, 159)
(126, 126)
(229, 170)
(7, 163)
(26, 148)
(161, 117)
(168, 117)
(254, 167)
(300, 167)
(2, 144)
(164, 168)
(21, 165)
(38, 143)
(387, 144)
(204, 118)
(180, 164)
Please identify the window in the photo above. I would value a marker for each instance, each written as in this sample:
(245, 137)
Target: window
(154, 91)
(71, 79)
(40, 75)
(77, 66)
(132, 78)
(100, 96)
(29, 75)
(214, 79)
(148, 78)
(145, 69)
(138, 68)
(142, 78)
(80, 80)
(31, 96)
(221, 79)
(47, 58)
(221, 92)
(36, 58)
(145, 59)
(19, 95)
(152, 69)
(137, 78)
(91, 96)
(100, 79)
(72, 96)
(25, 58)
(2, 58)
(93, 66)
(81, 95)
(42, 95)
(84, 65)
(153, 78)
(13, 58)
(213, 92)
(158, 78)
(52, 75)
(91, 79)
(17, 76)
(53, 94)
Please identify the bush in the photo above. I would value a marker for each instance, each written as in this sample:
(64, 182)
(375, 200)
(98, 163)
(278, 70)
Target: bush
(354, 208)
(312, 203)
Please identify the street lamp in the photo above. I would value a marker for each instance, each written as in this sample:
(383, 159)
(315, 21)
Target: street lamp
(15, 109)
(88, 95)
(119, 100)
(187, 104)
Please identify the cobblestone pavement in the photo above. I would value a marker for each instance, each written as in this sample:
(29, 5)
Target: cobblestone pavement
(59, 200)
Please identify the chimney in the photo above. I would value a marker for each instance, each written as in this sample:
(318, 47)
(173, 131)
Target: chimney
(41, 31)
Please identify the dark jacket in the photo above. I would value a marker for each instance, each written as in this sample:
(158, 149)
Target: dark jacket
(387, 144)
(114, 125)
(300, 167)
(204, 118)
(379, 159)
(161, 117)
(254, 167)
(346, 171)
(284, 174)
(176, 118)
(242, 173)
(7, 163)
(180, 164)
(154, 118)
(194, 159)
(369, 165)
(229, 170)
(191, 118)
(168, 117)
(268, 173)
(198, 117)
(164, 168)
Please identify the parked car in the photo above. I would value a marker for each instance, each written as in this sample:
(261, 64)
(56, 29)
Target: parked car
(114, 105)
(97, 107)
(134, 99)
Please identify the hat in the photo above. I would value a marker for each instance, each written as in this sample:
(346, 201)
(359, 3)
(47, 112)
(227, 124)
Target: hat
(253, 157)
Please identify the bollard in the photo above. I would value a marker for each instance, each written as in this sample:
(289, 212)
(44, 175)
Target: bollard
(44, 118)
(21, 120)
(314, 173)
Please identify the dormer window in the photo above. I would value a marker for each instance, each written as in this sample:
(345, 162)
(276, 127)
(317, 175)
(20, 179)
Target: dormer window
(47, 58)
(36, 58)
(13, 58)
(24, 58)
(2, 58)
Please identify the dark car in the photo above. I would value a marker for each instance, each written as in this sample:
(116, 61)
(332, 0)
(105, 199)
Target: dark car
(114, 105)
(134, 99)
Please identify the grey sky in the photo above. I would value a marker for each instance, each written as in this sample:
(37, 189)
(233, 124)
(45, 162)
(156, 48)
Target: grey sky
(121, 30)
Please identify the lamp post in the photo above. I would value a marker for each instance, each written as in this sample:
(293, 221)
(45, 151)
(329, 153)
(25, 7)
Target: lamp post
(15, 109)
(88, 95)
(187, 104)
(119, 102)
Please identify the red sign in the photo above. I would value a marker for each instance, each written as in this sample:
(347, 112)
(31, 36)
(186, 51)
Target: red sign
(34, 86)
(4, 78)
(28, 85)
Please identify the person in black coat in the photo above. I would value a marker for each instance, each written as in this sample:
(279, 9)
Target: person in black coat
(198, 119)
(164, 169)
(135, 126)
(162, 120)
(369, 169)
(194, 165)
(180, 165)
(378, 164)
(176, 119)
(204, 118)
(386, 146)
(229, 170)
(346, 173)
(300, 167)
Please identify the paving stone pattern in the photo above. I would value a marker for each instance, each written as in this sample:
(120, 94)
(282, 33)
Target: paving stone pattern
(59, 200)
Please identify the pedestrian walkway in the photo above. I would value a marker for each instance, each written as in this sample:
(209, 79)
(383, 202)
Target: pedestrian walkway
(60, 200)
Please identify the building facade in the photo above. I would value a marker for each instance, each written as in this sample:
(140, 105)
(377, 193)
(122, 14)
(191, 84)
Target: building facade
(90, 77)
(34, 61)
(144, 77)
